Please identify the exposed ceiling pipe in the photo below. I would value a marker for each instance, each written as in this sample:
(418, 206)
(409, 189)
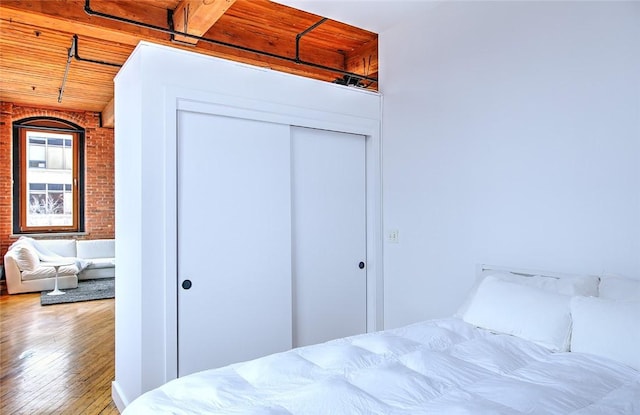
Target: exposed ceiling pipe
(299, 36)
(70, 53)
(171, 31)
(74, 44)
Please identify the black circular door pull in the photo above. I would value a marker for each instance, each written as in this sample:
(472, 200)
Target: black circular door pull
(361, 265)
(186, 284)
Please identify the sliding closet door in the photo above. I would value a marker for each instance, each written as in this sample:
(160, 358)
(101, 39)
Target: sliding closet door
(329, 235)
(234, 240)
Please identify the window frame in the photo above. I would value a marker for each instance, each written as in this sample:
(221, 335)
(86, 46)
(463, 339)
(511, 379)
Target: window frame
(21, 165)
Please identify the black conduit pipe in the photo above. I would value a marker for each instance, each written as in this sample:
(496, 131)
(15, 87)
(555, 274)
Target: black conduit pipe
(72, 52)
(171, 31)
(299, 36)
(74, 44)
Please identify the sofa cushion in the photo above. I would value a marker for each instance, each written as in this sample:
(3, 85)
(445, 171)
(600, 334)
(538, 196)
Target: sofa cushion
(48, 272)
(96, 249)
(62, 247)
(26, 257)
(101, 263)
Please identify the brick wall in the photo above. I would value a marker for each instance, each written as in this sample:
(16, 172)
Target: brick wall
(99, 174)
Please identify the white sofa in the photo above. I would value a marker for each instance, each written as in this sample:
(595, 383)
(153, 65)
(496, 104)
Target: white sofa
(26, 272)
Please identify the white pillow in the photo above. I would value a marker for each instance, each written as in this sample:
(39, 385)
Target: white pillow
(527, 312)
(607, 328)
(586, 285)
(618, 288)
(26, 257)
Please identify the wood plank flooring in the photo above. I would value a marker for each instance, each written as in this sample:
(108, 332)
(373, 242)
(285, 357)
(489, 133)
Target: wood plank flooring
(56, 359)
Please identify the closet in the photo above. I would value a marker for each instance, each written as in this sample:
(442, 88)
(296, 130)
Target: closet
(247, 214)
(283, 265)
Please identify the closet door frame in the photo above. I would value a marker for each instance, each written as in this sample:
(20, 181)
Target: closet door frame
(180, 99)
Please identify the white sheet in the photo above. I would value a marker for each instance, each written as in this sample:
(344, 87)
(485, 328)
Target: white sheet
(436, 367)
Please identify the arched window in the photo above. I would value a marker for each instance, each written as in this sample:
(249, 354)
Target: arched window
(48, 176)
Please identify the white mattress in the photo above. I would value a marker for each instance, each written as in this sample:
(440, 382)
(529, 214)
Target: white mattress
(436, 367)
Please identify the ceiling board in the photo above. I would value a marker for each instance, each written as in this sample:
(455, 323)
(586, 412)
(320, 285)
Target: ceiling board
(36, 35)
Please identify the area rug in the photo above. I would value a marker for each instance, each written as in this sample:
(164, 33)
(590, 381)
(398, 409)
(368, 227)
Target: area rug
(87, 290)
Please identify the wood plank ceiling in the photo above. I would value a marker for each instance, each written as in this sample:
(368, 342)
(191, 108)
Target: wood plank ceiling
(36, 36)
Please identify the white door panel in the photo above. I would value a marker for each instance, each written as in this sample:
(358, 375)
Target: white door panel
(234, 239)
(328, 235)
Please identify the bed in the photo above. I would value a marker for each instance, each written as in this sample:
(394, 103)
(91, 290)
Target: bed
(524, 343)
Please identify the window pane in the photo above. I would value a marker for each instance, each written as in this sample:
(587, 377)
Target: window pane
(37, 186)
(68, 158)
(68, 202)
(57, 187)
(37, 155)
(56, 202)
(49, 204)
(35, 201)
(55, 158)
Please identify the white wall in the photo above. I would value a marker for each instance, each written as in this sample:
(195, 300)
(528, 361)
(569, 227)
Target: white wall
(128, 176)
(511, 136)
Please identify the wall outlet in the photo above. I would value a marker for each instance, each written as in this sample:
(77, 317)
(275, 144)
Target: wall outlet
(393, 236)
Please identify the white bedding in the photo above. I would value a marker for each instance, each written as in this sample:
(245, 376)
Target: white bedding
(436, 367)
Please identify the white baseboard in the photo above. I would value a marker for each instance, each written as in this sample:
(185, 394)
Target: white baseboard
(118, 396)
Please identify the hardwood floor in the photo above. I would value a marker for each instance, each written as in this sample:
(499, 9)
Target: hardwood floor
(56, 359)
